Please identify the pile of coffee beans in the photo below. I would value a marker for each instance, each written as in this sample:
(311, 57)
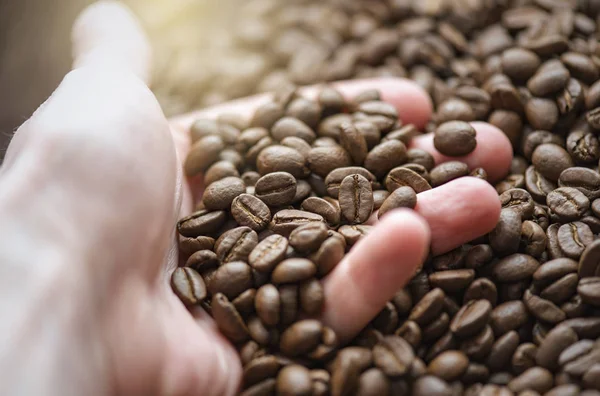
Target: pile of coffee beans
(289, 192)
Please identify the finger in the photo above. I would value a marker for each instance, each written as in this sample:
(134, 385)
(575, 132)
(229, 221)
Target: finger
(493, 152)
(378, 266)
(375, 269)
(412, 102)
(108, 35)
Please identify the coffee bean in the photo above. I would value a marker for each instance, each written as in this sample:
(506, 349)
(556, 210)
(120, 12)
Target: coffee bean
(301, 337)
(385, 156)
(281, 159)
(403, 176)
(203, 154)
(260, 369)
(384, 114)
(308, 238)
(508, 316)
(335, 178)
(580, 66)
(550, 160)
(583, 146)
(268, 304)
(431, 385)
(311, 296)
(428, 307)
(231, 279)
(556, 341)
(228, 319)
(250, 211)
(200, 223)
(481, 288)
(508, 122)
(589, 291)
(236, 244)
(543, 309)
(421, 157)
(410, 332)
(542, 113)
(393, 356)
(454, 109)
(585, 180)
(535, 378)
(449, 365)
(478, 346)
(373, 382)
(516, 181)
(568, 203)
(322, 160)
(514, 268)
(403, 197)
(220, 170)
(328, 256)
(276, 189)
(188, 285)
(452, 281)
(506, 236)
(289, 126)
(471, 318)
(188, 246)
(573, 238)
(437, 328)
(293, 270)
(404, 134)
(538, 186)
(345, 374)
(502, 351)
(448, 171)
(356, 198)
(455, 138)
(268, 253)
(590, 260)
(294, 380)
(353, 142)
(519, 64)
(287, 220)
(550, 78)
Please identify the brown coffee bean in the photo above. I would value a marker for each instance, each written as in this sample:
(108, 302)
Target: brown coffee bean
(353, 142)
(506, 236)
(289, 126)
(551, 77)
(454, 109)
(260, 369)
(568, 203)
(201, 222)
(542, 309)
(448, 171)
(550, 160)
(587, 181)
(322, 160)
(293, 270)
(455, 138)
(481, 289)
(561, 290)
(403, 176)
(502, 351)
(573, 238)
(404, 134)
(478, 346)
(329, 209)
(393, 356)
(542, 113)
(452, 281)
(231, 279)
(428, 307)
(220, 170)
(519, 64)
(508, 316)
(329, 255)
(449, 365)
(471, 318)
(188, 285)
(294, 380)
(203, 154)
(356, 198)
(437, 328)
(373, 382)
(411, 333)
(301, 337)
(538, 186)
(519, 200)
(188, 246)
(268, 253)
(202, 260)
(589, 262)
(334, 179)
(556, 341)
(589, 291)
(515, 268)
(250, 211)
(287, 220)
(584, 147)
(276, 189)
(311, 296)
(228, 319)
(308, 237)
(430, 385)
(385, 156)
(536, 378)
(345, 374)
(403, 197)
(268, 304)
(281, 159)
(580, 66)
(236, 244)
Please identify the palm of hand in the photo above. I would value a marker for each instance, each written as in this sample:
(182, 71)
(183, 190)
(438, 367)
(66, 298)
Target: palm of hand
(102, 206)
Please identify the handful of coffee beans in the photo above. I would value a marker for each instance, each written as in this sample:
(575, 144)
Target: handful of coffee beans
(515, 312)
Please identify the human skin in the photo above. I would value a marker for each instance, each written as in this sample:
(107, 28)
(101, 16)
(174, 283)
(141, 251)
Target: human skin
(90, 190)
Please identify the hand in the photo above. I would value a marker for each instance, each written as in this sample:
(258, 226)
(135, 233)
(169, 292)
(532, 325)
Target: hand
(90, 190)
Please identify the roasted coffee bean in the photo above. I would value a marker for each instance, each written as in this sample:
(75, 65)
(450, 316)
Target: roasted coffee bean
(276, 189)
(568, 203)
(589, 261)
(231, 279)
(404, 134)
(533, 239)
(573, 238)
(583, 146)
(455, 138)
(200, 223)
(329, 255)
(250, 211)
(294, 380)
(403, 197)
(356, 198)
(452, 281)
(537, 185)
(236, 244)
(323, 160)
(561, 290)
(502, 351)
(508, 316)
(510, 182)
(281, 159)
(188, 246)
(519, 64)
(556, 341)
(334, 179)
(411, 333)
(524, 358)
(454, 109)
(293, 270)
(449, 365)
(385, 156)
(506, 236)
(220, 170)
(188, 285)
(543, 309)
(428, 307)
(311, 296)
(228, 319)
(373, 382)
(481, 289)
(478, 346)
(478, 256)
(471, 318)
(448, 171)
(345, 374)
(551, 160)
(515, 268)
(542, 114)
(353, 142)
(589, 291)
(430, 385)
(268, 253)
(289, 126)
(536, 378)
(329, 209)
(393, 355)
(203, 154)
(518, 200)
(287, 220)
(301, 337)
(437, 328)
(585, 180)
(267, 114)
(405, 177)
(379, 197)
(308, 237)
(550, 78)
